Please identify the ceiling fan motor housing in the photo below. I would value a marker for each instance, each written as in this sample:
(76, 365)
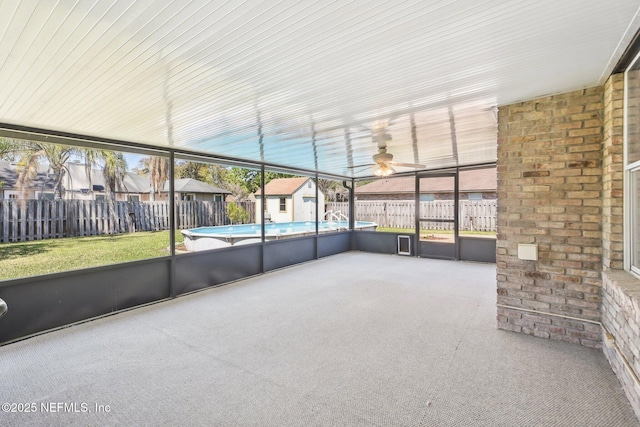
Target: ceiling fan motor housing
(382, 156)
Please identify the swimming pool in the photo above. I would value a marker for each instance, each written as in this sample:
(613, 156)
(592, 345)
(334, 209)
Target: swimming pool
(204, 238)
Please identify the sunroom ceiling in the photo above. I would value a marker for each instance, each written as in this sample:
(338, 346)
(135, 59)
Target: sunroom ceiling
(300, 83)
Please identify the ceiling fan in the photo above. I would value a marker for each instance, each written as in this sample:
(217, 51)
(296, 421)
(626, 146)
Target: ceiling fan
(383, 160)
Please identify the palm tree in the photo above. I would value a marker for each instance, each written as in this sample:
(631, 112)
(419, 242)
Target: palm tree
(159, 171)
(113, 165)
(8, 148)
(33, 153)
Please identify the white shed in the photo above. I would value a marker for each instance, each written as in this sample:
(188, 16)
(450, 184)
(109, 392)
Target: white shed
(290, 199)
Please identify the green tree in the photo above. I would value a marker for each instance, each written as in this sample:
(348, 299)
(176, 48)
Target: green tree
(237, 214)
(192, 170)
(243, 181)
(332, 190)
(32, 154)
(9, 149)
(113, 166)
(142, 168)
(209, 173)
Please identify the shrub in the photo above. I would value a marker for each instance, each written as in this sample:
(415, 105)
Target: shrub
(237, 214)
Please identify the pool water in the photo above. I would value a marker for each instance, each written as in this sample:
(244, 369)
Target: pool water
(274, 228)
(205, 238)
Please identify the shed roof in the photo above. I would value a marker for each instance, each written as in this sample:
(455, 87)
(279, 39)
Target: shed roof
(283, 186)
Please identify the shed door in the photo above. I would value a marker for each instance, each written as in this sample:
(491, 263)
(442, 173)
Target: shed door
(309, 209)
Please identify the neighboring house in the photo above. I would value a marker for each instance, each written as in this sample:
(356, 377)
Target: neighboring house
(289, 199)
(77, 184)
(42, 184)
(135, 188)
(192, 189)
(475, 184)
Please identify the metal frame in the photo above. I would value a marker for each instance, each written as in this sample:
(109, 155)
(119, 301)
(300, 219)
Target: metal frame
(56, 300)
(79, 295)
(455, 174)
(465, 248)
(628, 185)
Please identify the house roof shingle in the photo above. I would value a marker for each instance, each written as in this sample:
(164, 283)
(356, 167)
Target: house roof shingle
(190, 185)
(283, 186)
(474, 180)
(9, 173)
(134, 183)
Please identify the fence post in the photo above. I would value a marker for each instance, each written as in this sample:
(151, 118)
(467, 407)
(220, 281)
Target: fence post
(5, 221)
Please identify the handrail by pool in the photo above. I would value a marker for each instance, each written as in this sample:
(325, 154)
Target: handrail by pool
(337, 216)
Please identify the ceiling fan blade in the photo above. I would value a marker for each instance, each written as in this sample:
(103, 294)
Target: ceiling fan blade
(361, 166)
(408, 165)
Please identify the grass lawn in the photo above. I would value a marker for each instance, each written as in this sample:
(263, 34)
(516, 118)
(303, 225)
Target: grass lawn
(54, 255)
(25, 259)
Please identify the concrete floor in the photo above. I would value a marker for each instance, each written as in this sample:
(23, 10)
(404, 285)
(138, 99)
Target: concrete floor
(355, 339)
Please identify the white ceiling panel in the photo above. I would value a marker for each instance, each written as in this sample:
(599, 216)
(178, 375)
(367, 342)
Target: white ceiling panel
(300, 83)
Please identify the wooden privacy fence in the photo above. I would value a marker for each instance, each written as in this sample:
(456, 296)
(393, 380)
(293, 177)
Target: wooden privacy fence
(475, 215)
(27, 220)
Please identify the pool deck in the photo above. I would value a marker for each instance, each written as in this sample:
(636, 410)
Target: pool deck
(355, 339)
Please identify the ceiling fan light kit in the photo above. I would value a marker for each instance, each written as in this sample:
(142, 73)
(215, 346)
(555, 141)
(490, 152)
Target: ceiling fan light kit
(385, 163)
(383, 160)
(383, 170)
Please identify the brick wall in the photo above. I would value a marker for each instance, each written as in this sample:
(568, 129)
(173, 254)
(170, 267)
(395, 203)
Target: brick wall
(621, 317)
(560, 186)
(550, 187)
